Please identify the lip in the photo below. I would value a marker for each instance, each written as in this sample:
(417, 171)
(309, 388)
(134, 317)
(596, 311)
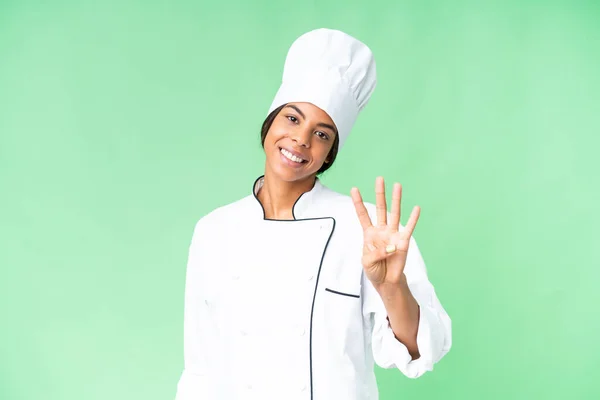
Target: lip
(295, 153)
(290, 163)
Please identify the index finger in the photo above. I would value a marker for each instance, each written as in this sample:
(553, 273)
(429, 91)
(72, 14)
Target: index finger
(361, 210)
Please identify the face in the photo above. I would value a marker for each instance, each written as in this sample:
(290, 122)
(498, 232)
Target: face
(299, 141)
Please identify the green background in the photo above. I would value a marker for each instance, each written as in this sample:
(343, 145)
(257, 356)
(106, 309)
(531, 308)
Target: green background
(123, 122)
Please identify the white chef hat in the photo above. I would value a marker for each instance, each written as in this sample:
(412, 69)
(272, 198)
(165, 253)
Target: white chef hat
(331, 70)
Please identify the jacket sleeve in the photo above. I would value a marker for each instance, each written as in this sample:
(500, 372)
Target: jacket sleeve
(194, 381)
(434, 336)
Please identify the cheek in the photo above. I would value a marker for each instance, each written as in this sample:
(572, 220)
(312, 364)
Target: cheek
(274, 134)
(324, 150)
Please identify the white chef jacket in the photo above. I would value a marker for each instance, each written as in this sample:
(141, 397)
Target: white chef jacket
(283, 310)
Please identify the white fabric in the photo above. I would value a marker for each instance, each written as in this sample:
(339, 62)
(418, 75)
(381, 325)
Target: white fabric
(262, 319)
(331, 70)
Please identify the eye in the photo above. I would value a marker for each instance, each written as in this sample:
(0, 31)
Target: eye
(292, 118)
(322, 135)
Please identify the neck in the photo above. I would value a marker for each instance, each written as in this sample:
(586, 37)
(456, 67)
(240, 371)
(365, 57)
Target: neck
(278, 197)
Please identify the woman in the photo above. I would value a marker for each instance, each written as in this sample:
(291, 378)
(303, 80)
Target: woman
(295, 291)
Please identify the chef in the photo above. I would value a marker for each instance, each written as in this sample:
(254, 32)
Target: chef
(296, 291)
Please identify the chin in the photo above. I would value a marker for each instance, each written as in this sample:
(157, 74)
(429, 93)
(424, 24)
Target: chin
(290, 176)
(287, 174)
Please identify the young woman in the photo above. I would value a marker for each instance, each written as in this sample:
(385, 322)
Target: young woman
(296, 291)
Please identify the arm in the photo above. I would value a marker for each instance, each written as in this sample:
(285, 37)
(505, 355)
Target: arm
(399, 339)
(403, 314)
(397, 292)
(193, 382)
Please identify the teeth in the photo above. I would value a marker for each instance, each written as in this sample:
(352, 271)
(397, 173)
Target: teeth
(290, 156)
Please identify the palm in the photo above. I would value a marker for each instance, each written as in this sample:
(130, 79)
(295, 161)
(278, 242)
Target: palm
(381, 266)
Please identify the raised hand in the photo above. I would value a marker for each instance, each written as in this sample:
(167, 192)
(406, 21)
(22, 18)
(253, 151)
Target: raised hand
(386, 243)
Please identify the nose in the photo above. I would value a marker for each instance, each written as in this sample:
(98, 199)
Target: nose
(302, 137)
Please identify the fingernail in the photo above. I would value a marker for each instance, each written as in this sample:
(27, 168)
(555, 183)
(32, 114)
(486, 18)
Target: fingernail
(390, 248)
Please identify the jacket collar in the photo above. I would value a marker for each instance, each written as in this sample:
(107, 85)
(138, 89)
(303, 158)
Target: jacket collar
(303, 207)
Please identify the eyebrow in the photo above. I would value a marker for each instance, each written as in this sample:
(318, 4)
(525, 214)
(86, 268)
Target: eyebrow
(321, 124)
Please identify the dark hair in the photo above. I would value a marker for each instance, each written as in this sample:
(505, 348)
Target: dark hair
(267, 125)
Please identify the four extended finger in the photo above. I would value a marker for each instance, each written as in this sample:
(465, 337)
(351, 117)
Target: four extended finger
(361, 210)
(396, 203)
(412, 220)
(380, 202)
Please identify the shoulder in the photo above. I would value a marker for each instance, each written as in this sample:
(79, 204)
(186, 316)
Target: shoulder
(223, 215)
(341, 207)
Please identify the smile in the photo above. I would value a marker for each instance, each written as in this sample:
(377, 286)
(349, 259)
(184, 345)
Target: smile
(291, 157)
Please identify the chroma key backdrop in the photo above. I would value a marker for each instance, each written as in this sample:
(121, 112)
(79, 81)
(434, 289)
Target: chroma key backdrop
(124, 122)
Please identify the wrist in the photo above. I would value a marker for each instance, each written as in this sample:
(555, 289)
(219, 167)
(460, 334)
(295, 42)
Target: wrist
(392, 288)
